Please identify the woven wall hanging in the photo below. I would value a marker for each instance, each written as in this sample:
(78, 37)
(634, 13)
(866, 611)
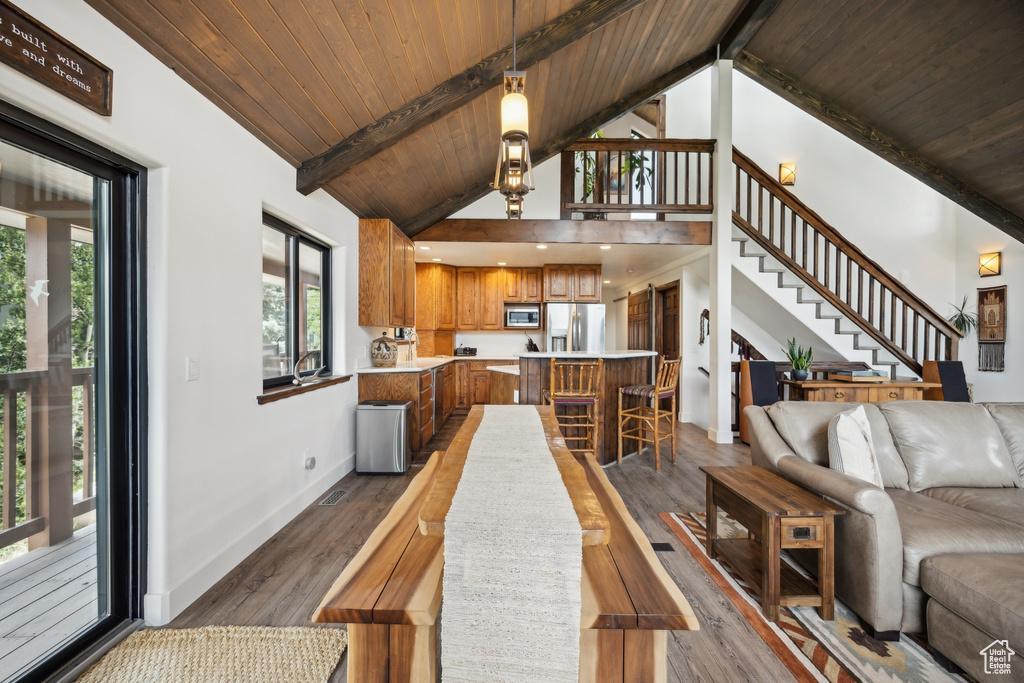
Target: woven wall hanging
(991, 328)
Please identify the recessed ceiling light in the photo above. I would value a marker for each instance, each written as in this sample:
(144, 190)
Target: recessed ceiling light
(629, 270)
(542, 246)
(606, 246)
(435, 259)
(607, 282)
(501, 263)
(425, 248)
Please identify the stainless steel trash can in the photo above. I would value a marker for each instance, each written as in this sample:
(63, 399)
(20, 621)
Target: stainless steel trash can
(383, 443)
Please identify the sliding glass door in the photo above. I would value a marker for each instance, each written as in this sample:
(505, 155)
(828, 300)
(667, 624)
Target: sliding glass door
(71, 396)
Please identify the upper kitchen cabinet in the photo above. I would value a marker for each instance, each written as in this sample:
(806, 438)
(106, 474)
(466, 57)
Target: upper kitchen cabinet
(522, 285)
(480, 303)
(572, 283)
(387, 275)
(435, 297)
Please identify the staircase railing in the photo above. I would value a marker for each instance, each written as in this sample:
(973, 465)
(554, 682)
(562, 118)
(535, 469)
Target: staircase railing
(838, 271)
(602, 176)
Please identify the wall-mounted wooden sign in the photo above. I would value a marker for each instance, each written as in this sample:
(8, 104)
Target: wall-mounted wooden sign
(39, 53)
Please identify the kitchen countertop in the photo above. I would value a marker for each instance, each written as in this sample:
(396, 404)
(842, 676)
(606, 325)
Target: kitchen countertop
(614, 353)
(429, 363)
(506, 369)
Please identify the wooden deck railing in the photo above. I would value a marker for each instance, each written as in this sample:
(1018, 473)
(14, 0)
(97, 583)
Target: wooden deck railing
(20, 391)
(838, 271)
(605, 175)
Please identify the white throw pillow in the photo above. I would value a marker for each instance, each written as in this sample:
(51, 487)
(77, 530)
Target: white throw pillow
(849, 446)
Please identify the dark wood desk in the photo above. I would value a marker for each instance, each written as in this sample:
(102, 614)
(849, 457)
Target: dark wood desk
(779, 515)
(855, 392)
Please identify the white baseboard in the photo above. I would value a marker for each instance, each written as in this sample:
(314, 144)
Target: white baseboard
(161, 608)
(720, 436)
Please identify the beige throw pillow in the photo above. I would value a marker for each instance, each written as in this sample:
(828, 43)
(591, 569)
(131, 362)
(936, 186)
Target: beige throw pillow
(849, 446)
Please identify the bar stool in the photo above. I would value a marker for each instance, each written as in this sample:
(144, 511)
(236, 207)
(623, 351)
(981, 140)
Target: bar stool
(574, 387)
(635, 421)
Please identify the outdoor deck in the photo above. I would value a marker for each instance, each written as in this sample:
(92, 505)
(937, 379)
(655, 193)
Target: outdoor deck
(46, 596)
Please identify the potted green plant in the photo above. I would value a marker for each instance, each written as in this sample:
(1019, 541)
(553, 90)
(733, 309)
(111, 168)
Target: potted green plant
(800, 359)
(963, 321)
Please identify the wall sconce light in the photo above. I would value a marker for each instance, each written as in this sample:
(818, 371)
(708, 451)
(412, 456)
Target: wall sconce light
(787, 173)
(990, 264)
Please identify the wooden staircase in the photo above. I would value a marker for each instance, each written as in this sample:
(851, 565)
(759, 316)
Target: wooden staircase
(846, 284)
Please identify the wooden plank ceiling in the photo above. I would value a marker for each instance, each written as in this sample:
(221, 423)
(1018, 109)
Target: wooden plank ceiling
(942, 78)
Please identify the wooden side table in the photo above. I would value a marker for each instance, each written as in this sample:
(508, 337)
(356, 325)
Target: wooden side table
(779, 515)
(855, 392)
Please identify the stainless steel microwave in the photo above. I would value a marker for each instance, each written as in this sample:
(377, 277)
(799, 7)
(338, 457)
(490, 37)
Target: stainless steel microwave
(522, 317)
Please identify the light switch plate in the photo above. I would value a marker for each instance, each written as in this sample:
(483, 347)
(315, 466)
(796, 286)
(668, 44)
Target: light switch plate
(192, 368)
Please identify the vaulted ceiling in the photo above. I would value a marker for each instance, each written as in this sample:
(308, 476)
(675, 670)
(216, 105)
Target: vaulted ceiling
(391, 106)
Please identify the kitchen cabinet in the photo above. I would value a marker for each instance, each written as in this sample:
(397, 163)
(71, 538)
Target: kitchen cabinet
(435, 297)
(492, 305)
(417, 387)
(522, 285)
(473, 382)
(467, 302)
(572, 283)
(480, 304)
(387, 275)
(448, 400)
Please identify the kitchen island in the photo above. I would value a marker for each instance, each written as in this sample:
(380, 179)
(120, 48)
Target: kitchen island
(621, 368)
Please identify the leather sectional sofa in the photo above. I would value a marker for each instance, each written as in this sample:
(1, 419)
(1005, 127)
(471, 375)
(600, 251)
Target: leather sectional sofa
(952, 476)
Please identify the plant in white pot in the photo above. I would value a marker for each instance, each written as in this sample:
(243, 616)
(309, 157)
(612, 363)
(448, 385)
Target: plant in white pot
(800, 359)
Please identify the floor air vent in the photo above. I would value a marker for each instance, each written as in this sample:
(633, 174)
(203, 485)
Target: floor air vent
(333, 497)
(663, 547)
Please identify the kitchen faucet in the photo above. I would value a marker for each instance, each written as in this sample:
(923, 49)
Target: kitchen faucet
(414, 339)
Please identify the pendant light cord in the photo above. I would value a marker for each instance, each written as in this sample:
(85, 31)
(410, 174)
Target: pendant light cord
(513, 35)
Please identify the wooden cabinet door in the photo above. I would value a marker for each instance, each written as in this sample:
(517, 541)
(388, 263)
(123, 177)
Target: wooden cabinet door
(467, 303)
(426, 302)
(397, 283)
(449, 391)
(462, 384)
(558, 283)
(512, 280)
(408, 281)
(531, 286)
(479, 387)
(446, 297)
(492, 307)
(587, 283)
(375, 272)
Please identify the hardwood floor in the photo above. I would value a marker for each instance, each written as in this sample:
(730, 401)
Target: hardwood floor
(283, 581)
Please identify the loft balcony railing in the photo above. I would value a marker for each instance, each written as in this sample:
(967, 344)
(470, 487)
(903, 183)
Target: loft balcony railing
(30, 467)
(606, 176)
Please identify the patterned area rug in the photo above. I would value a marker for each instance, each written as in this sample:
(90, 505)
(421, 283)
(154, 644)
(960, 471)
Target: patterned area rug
(222, 654)
(813, 650)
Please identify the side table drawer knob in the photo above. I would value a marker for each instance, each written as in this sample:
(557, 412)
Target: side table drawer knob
(840, 394)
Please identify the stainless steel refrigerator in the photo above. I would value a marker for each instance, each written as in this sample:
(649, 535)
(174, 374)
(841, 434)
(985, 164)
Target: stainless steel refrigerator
(574, 327)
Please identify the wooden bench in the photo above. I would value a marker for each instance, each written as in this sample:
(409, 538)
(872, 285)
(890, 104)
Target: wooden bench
(390, 593)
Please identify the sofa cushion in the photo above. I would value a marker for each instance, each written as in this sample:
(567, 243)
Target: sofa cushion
(1009, 417)
(982, 588)
(1004, 504)
(803, 425)
(849, 446)
(949, 444)
(932, 527)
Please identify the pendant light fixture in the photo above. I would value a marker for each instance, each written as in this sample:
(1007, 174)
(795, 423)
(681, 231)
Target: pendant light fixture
(513, 176)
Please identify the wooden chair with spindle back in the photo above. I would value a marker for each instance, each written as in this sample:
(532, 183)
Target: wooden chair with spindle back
(574, 388)
(647, 415)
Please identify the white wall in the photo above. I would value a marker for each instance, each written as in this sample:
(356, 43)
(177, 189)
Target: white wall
(976, 237)
(224, 473)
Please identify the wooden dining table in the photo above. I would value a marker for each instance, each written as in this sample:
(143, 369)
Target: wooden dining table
(390, 592)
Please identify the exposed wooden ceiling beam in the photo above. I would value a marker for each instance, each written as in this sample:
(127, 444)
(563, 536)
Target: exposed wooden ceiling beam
(610, 113)
(446, 97)
(754, 14)
(882, 145)
(567, 232)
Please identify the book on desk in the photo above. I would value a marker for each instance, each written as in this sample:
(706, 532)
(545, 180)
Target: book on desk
(857, 376)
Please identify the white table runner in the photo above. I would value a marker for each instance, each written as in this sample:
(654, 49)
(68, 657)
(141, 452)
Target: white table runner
(513, 560)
